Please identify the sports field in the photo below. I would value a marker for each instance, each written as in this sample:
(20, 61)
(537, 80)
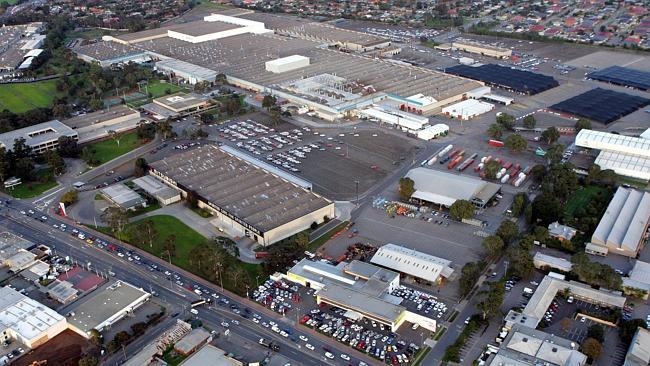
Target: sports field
(158, 88)
(19, 98)
(109, 149)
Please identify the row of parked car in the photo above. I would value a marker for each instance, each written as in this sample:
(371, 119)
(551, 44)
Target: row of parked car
(425, 303)
(276, 295)
(377, 342)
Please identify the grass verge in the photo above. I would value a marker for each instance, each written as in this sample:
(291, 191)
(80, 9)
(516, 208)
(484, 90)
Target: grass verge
(439, 333)
(44, 182)
(315, 244)
(580, 199)
(453, 316)
(107, 150)
(421, 355)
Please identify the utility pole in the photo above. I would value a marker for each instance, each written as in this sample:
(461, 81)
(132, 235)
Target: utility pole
(356, 184)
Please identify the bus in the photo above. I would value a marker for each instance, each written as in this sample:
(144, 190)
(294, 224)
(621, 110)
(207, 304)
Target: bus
(197, 303)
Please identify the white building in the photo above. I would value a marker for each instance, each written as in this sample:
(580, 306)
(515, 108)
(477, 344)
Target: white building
(413, 263)
(285, 64)
(165, 194)
(541, 261)
(442, 188)
(402, 120)
(622, 229)
(28, 321)
(639, 352)
(467, 109)
(431, 132)
(562, 232)
(41, 137)
(638, 278)
(625, 155)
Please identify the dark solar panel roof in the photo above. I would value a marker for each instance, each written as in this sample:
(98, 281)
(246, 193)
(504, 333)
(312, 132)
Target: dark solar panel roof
(623, 76)
(520, 81)
(601, 105)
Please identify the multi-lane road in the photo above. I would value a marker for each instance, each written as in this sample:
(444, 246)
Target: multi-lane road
(176, 298)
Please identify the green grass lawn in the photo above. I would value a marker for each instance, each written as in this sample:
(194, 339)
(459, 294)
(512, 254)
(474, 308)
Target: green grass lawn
(580, 198)
(158, 88)
(107, 150)
(19, 98)
(35, 188)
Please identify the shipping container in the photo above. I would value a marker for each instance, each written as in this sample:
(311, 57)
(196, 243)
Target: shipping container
(519, 181)
(466, 164)
(505, 178)
(455, 162)
(496, 143)
(479, 167)
(507, 165)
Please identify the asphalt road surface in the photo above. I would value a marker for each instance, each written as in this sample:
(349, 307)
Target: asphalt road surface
(177, 298)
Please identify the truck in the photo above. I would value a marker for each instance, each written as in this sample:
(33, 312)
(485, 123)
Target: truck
(271, 345)
(479, 167)
(496, 143)
(505, 178)
(465, 165)
(196, 303)
(519, 180)
(501, 173)
(507, 165)
(455, 162)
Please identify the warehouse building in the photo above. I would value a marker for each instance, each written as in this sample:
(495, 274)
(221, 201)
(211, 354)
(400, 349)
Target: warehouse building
(515, 80)
(97, 125)
(416, 264)
(431, 132)
(165, 194)
(638, 280)
(213, 356)
(107, 54)
(625, 155)
(27, 321)
(442, 188)
(525, 346)
(548, 288)
(639, 352)
(402, 120)
(467, 109)
(333, 85)
(19, 46)
(622, 229)
(123, 196)
(362, 289)
(41, 137)
(245, 199)
(185, 71)
(601, 105)
(561, 232)
(545, 262)
(481, 48)
(106, 307)
(623, 76)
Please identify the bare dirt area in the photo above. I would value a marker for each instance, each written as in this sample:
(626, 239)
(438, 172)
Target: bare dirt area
(63, 350)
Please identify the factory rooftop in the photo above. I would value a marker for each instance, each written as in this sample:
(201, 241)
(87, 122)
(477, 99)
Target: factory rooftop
(445, 188)
(107, 305)
(106, 50)
(200, 28)
(98, 117)
(259, 198)
(179, 102)
(39, 135)
(639, 352)
(24, 316)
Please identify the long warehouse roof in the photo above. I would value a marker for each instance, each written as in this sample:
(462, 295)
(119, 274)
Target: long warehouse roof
(261, 199)
(412, 262)
(445, 188)
(613, 142)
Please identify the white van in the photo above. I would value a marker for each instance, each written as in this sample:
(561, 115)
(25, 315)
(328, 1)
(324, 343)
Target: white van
(194, 311)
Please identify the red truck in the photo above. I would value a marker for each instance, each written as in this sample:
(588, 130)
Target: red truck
(496, 143)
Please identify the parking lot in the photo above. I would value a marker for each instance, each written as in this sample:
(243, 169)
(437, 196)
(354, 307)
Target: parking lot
(293, 301)
(339, 162)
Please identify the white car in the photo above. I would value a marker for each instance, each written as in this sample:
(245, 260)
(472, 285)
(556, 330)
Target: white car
(345, 357)
(309, 346)
(329, 355)
(303, 338)
(256, 321)
(224, 324)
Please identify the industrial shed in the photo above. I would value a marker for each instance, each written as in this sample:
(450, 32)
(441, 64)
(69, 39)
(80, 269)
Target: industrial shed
(601, 105)
(431, 132)
(245, 199)
(413, 263)
(467, 109)
(520, 81)
(623, 76)
(625, 155)
(623, 225)
(123, 196)
(190, 73)
(442, 188)
(165, 194)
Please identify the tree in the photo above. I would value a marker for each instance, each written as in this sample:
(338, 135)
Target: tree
(551, 135)
(201, 86)
(116, 218)
(88, 360)
(24, 167)
(268, 102)
(220, 79)
(596, 332)
(592, 348)
(469, 274)
(88, 156)
(546, 208)
(506, 120)
(492, 300)
(516, 143)
(55, 162)
(233, 105)
(276, 116)
(406, 188)
(145, 132)
(554, 154)
(491, 169)
(627, 329)
(538, 172)
(519, 203)
(461, 209)
(115, 136)
(302, 240)
(594, 273)
(582, 124)
(5, 166)
(69, 197)
(494, 246)
(521, 262)
(141, 167)
(68, 147)
(495, 131)
(169, 246)
(165, 129)
(565, 324)
(507, 231)
(529, 121)
(192, 199)
(96, 337)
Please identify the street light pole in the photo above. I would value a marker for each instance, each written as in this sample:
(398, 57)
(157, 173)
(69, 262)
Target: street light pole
(356, 184)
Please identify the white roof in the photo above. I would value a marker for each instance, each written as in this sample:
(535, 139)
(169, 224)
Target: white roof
(37, 134)
(639, 352)
(624, 164)
(123, 195)
(421, 99)
(430, 132)
(541, 259)
(196, 71)
(624, 222)
(412, 262)
(613, 142)
(645, 134)
(394, 117)
(445, 188)
(468, 107)
(639, 276)
(288, 60)
(25, 316)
